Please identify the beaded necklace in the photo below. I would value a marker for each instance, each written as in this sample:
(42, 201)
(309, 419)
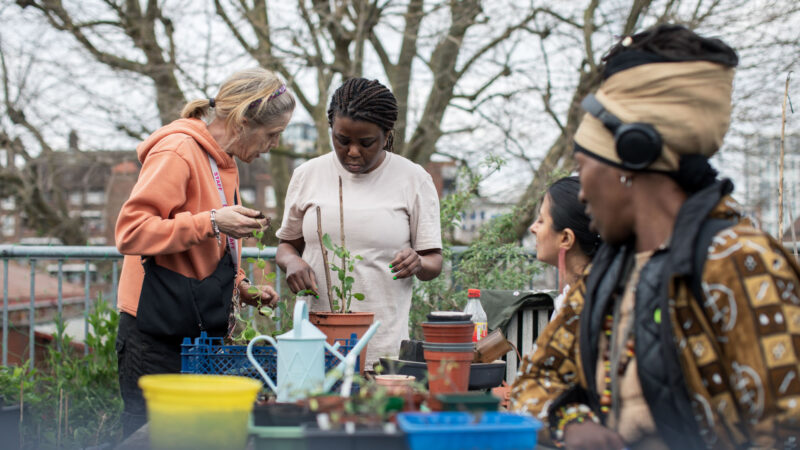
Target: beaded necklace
(606, 399)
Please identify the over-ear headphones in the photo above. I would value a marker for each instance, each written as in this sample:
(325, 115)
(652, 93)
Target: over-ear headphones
(638, 144)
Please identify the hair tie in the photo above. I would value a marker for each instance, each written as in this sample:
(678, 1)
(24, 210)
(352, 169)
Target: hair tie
(211, 102)
(275, 94)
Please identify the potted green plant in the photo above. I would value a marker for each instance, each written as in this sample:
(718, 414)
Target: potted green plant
(341, 322)
(362, 421)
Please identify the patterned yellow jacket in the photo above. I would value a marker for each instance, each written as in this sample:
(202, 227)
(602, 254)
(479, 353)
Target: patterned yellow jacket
(738, 349)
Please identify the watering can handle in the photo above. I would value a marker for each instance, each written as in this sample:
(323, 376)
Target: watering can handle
(300, 313)
(256, 364)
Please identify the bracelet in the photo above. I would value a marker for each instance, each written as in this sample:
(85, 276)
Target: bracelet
(576, 413)
(214, 226)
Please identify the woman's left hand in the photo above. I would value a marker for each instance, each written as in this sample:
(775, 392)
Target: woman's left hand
(406, 263)
(265, 293)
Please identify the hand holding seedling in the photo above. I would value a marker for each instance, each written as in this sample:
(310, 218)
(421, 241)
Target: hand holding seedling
(258, 295)
(238, 221)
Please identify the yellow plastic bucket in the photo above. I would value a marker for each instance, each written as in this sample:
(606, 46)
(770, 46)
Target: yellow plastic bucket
(198, 411)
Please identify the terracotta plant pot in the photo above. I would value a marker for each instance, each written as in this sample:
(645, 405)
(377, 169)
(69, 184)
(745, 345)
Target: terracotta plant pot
(448, 371)
(341, 326)
(448, 332)
(396, 385)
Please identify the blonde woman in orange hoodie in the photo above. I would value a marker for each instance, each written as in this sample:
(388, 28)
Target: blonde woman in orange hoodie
(183, 224)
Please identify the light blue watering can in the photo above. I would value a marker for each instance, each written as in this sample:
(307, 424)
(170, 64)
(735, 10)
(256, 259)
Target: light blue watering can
(301, 358)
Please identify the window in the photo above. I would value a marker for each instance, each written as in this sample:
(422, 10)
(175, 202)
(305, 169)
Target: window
(8, 203)
(269, 197)
(95, 197)
(7, 224)
(75, 198)
(248, 196)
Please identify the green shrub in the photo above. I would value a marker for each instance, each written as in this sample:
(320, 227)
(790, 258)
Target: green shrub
(494, 260)
(73, 402)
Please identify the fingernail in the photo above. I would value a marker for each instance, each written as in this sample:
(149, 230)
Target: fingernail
(394, 278)
(390, 266)
(394, 270)
(316, 296)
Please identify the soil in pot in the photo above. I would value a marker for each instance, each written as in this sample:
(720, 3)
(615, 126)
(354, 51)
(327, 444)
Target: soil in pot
(341, 326)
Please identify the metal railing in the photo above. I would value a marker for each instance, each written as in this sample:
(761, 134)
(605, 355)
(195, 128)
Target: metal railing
(61, 254)
(87, 255)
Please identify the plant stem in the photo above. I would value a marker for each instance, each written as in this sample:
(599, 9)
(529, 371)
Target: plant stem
(341, 229)
(324, 259)
(780, 177)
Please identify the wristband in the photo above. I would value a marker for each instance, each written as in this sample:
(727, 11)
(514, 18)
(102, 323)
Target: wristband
(577, 413)
(214, 226)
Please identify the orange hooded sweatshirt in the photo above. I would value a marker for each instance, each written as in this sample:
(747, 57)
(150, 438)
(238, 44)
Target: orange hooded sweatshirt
(169, 211)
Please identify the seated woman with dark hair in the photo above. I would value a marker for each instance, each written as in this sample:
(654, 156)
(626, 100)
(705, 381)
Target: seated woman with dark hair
(563, 238)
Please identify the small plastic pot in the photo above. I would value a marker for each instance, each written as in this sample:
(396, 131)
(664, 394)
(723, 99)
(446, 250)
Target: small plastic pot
(448, 332)
(396, 385)
(448, 371)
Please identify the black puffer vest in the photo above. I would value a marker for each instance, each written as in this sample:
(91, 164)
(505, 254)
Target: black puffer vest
(659, 368)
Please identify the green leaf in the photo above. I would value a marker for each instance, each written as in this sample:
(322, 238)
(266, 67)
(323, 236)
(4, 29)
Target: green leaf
(358, 257)
(349, 280)
(341, 276)
(358, 296)
(271, 276)
(249, 334)
(305, 292)
(251, 260)
(261, 264)
(252, 290)
(326, 241)
(266, 310)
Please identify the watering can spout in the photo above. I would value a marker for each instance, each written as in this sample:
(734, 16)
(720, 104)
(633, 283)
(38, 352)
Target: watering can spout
(347, 363)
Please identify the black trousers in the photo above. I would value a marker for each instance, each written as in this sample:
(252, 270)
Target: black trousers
(140, 354)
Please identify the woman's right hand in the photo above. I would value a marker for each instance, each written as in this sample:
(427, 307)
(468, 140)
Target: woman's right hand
(590, 435)
(300, 276)
(240, 222)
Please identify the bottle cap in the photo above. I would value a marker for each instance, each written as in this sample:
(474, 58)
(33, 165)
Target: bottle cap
(473, 293)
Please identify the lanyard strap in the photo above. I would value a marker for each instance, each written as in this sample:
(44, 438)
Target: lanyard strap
(218, 181)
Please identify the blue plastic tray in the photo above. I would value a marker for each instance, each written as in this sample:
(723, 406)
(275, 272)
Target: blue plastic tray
(209, 355)
(465, 431)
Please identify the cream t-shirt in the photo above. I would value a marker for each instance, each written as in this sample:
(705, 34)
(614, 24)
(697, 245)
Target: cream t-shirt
(393, 207)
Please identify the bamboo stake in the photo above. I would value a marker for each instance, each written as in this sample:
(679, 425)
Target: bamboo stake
(341, 229)
(794, 235)
(780, 176)
(21, 411)
(60, 411)
(324, 259)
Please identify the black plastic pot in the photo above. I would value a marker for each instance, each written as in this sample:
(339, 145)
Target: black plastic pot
(9, 424)
(412, 351)
(282, 415)
(481, 375)
(362, 438)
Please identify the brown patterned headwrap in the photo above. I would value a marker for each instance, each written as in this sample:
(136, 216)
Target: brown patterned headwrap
(689, 103)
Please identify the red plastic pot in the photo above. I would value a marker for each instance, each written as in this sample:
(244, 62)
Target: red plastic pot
(447, 333)
(448, 371)
(340, 326)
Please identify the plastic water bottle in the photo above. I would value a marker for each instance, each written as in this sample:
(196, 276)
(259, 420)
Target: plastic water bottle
(475, 310)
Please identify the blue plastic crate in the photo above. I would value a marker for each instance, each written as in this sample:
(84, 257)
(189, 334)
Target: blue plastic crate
(465, 431)
(209, 355)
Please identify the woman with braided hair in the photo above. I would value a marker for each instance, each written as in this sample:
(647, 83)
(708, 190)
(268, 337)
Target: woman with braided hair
(391, 214)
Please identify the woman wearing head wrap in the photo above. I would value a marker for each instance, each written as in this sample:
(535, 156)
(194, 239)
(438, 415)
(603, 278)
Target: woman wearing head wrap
(391, 214)
(689, 321)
